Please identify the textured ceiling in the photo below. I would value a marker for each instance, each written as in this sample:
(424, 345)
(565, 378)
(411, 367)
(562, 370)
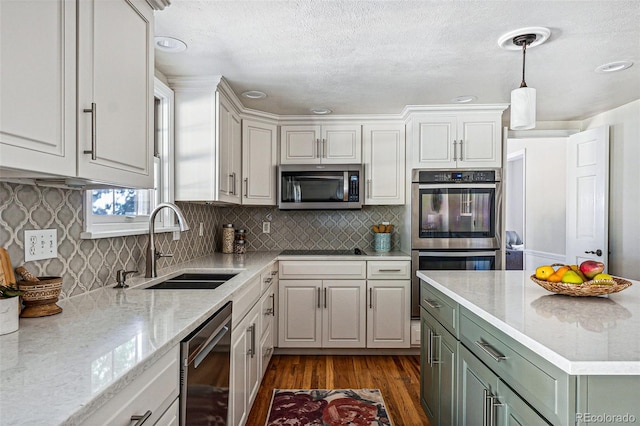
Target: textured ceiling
(361, 57)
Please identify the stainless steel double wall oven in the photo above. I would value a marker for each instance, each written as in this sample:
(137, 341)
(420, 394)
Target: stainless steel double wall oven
(455, 222)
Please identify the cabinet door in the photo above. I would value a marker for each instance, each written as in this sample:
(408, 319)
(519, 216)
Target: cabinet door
(115, 73)
(433, 140)
(229, 148)
(384, 164)
(476, 385)
(344, 314)
(259, 161)
(446, 358)
(428, 377)
(37, 87)
(341, 144)
(388, 317)
(511, 410)
(238, 392)
(300, 145)
(300, 314)
(479, 140)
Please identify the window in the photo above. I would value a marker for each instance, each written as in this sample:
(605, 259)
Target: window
(117, 212)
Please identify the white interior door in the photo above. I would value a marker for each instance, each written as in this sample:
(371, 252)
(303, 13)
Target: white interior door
(587, 199)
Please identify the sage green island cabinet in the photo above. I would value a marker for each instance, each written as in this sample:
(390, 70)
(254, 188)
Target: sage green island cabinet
(497, 349)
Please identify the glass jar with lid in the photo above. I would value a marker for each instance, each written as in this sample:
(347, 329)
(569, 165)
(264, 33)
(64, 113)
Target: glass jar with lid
(227, 237)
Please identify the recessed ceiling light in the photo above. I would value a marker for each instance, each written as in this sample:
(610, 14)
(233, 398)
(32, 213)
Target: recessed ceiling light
(254, 94)
(464, 99)
(321, 111)
(613, 66)
(170, 44)
(542, 34)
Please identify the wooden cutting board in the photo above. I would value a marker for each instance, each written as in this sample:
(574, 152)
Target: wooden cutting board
(9, 276)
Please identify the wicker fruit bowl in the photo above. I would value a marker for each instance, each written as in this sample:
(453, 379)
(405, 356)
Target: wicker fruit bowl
(587, 288)
(40, 297)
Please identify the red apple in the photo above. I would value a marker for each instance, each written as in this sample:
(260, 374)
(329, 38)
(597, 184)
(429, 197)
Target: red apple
(591, 268)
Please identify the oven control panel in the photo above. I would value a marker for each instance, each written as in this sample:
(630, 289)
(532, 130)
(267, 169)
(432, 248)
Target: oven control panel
(457, 176)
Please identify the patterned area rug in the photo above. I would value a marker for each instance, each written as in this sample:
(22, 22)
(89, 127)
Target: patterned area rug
(322, 407)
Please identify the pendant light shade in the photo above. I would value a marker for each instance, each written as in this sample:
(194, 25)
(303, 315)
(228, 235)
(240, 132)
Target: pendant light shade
(523, 108)
(523, 99)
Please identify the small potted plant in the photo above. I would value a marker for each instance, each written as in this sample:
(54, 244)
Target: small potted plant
(9, 309)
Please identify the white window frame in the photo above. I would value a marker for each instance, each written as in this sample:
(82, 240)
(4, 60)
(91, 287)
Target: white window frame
(116, 226)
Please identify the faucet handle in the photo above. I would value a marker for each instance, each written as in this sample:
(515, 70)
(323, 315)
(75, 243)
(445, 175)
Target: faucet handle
(121, 278)
(159, 255)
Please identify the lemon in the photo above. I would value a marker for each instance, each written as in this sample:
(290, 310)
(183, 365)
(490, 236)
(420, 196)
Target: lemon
(544, 272)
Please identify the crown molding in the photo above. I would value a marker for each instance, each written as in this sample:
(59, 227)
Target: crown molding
(416, 109)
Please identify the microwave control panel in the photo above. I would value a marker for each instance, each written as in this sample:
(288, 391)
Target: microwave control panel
(354, 187)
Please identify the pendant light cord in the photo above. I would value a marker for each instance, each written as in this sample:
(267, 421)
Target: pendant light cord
(524, 54)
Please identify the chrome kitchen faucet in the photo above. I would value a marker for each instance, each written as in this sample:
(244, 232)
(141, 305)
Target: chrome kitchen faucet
(152, 254)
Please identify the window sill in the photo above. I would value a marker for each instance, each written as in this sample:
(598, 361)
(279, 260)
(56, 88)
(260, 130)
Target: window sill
(123, 232)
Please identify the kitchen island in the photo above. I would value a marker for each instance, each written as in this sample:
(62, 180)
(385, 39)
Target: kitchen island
(568, 359)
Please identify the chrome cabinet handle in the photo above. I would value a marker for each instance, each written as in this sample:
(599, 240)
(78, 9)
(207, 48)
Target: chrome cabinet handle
(325, 298)
(461, 149)
(497, 356)
(252, 349)
(369, 188)
(455, 150)
(432, 304)
(141, 419)
(94, 132)
(324, 148)
(274, 272)
(319, 306)
(246, 187)
(318, 149)
(273, 304)
(230, 183)
(389, 270)
(493, 403)
(370, 298)
(438, 346)
(430, 347)
(234, 183)
(268, 280)
(485, 401)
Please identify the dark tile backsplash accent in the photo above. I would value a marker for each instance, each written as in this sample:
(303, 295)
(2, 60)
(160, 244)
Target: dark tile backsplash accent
(89, 264)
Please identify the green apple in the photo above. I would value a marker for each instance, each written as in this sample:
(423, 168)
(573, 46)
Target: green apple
(572, 277)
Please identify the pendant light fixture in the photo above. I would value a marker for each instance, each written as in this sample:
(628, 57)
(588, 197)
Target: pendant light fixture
(523, 99)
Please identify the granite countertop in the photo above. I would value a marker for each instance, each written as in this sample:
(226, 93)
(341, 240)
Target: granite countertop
(59, 369)
(581, 335)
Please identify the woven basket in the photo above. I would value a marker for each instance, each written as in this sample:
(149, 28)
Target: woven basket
(40, 297)
(587, 288)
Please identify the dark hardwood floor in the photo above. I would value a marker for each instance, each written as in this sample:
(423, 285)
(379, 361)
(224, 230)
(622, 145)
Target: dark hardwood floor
(397, 377)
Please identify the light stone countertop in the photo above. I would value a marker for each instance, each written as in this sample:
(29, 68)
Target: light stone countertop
(581, 335)
(59, 369)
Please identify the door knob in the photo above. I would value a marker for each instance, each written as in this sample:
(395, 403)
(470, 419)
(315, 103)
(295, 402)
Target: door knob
(597, 252)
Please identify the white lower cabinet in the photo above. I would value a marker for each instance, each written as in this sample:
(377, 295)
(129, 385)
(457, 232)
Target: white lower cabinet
(329, 304)
(154, 393)
(171, 417)
(251, 343)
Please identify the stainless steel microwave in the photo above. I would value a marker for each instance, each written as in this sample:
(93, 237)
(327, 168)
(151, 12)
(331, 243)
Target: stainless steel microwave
(320, 186)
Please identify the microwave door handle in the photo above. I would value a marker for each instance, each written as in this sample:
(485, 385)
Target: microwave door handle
(345, 192)
(456, 254)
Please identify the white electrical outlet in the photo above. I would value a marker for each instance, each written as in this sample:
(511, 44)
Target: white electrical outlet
(176, 235)
(201, 230)
(40, 244)
(266, 227)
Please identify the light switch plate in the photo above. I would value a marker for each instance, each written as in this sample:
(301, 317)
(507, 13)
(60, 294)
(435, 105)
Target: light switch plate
(266, 227)
(40, 244)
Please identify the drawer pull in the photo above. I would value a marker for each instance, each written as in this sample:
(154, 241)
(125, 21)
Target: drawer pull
(389, 270)
(268, 280)
(141, 419)
(432, 304)
(497, 356)
(274, 272)
(485, 400)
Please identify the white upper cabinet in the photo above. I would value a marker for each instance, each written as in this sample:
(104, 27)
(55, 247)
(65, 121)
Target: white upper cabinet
(259, 161)
(457, 139)
(384, 163)
(112, 80)
(207, 142)
(326, 144)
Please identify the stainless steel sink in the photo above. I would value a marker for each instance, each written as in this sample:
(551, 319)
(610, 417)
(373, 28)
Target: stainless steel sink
(193, 281)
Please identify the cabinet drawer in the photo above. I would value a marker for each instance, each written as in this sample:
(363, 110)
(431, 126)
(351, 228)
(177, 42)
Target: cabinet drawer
(155, 390)
(320, 269)
(244, 300)
(389, 270)
(440, 307)
(545, 387)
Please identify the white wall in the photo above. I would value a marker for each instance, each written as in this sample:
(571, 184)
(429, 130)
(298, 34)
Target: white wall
(624, 187)
(545, 193)
(514, 196)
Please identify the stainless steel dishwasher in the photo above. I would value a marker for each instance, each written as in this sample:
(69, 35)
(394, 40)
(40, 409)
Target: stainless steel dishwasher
(205, 362)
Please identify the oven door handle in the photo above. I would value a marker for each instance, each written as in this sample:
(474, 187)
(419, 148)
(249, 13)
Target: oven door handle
(456, 253)
(456, 185)
(202, 354)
